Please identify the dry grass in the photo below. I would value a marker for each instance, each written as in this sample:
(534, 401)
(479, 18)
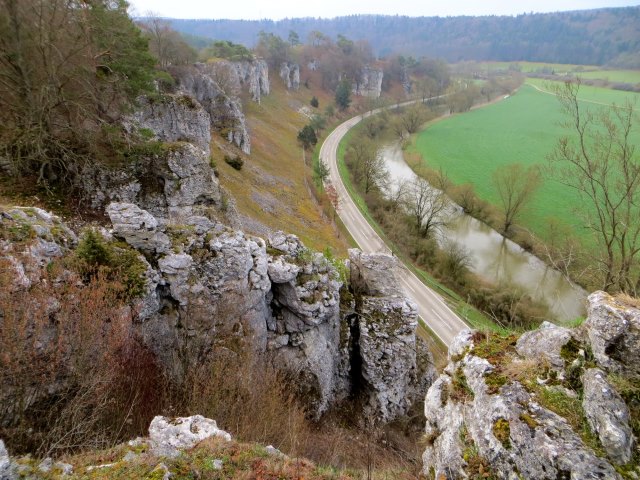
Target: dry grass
(628, 300)
(271, 188)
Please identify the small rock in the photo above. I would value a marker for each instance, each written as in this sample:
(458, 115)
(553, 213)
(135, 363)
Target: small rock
(46, 465)
(217, 464)
(274, 452)
(64, 468)
(169, 436)
(130, 456)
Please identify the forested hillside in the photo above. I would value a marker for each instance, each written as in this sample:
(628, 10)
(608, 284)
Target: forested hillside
(589, 37)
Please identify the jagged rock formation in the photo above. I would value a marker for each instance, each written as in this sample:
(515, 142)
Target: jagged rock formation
(550, 404)
(205, 283)
(173, 178)
(214, 86)
(369, 84)
(290, 74)
(394, 371)
(254, 75)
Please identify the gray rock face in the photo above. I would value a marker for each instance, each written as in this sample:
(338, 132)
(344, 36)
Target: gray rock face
(7, 472)
(502, 413)
(369, 84)
(387, 323)
(305, 308)
(224, 108)
(608, 416)
(172, 118)
(545, 342)
(175, 181)
(614, 332)
(511, 432)
(290, 75)
(168, 436)
(138, 227)
(255, 76)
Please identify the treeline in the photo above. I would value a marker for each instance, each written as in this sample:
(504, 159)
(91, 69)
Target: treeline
(589, 37)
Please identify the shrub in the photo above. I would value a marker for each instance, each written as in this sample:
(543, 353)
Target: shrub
(236, 161)
(72, 375)
(117, 262)
(314, 102)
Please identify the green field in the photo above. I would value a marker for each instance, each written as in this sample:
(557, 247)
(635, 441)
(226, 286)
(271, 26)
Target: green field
(522, 128)
(622, 76)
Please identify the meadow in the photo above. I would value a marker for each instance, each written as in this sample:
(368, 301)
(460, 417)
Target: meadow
(522, 128)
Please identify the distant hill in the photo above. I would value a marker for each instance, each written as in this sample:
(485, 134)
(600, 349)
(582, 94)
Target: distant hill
(589, 37)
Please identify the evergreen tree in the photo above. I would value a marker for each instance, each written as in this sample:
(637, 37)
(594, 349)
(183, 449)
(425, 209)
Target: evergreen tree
(343, 95)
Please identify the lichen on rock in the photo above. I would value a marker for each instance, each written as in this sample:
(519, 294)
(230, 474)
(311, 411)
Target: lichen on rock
(536, 408)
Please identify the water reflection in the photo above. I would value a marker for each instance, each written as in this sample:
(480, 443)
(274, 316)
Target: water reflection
(496, 258)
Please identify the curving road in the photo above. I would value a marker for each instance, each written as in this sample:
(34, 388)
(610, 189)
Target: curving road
(431, 307)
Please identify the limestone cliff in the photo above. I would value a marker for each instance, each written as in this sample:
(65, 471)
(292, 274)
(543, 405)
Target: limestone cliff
(290, 75)
(369, 83)
(205, 284)
(254, 75)
(214, 86)
(553, 403)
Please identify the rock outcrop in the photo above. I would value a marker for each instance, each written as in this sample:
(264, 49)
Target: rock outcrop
(253, 75)
(290, 74)
(369, 83)
(169, 436)
(204, 285)
(394, 370)
(171, 178)
(214, 85)
(542, 406)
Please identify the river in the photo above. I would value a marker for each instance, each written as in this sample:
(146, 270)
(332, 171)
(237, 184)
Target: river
(496, 258)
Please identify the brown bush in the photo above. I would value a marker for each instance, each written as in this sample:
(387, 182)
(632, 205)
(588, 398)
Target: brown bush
(71, 372)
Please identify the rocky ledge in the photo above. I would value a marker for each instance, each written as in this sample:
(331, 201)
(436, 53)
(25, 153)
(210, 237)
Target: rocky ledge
(554, 403)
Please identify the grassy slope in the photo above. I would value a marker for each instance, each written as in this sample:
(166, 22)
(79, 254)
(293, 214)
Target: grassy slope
(275, 170)
(523, 128)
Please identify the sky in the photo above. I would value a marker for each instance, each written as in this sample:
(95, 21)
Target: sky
(278, 9)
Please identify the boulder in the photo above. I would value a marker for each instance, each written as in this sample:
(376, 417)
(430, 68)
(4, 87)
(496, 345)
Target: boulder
(608, 416)
(544, 343)
(168, 436)
(613, 328)
(138, 228)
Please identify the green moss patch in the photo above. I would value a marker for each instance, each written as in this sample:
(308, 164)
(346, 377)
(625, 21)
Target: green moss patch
(502, 431)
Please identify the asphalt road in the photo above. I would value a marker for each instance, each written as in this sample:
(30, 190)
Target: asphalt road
(431, 307)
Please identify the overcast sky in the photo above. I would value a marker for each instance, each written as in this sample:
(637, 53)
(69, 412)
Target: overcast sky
(277, 9)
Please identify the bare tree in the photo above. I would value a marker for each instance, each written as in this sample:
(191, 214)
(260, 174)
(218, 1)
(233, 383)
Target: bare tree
(165, 43)
(598, 161)
(427, 206)
(374, 173)
(413, 118)
(516, 186)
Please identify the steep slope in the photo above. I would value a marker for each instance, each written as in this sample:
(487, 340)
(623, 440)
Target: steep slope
(271, 190)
